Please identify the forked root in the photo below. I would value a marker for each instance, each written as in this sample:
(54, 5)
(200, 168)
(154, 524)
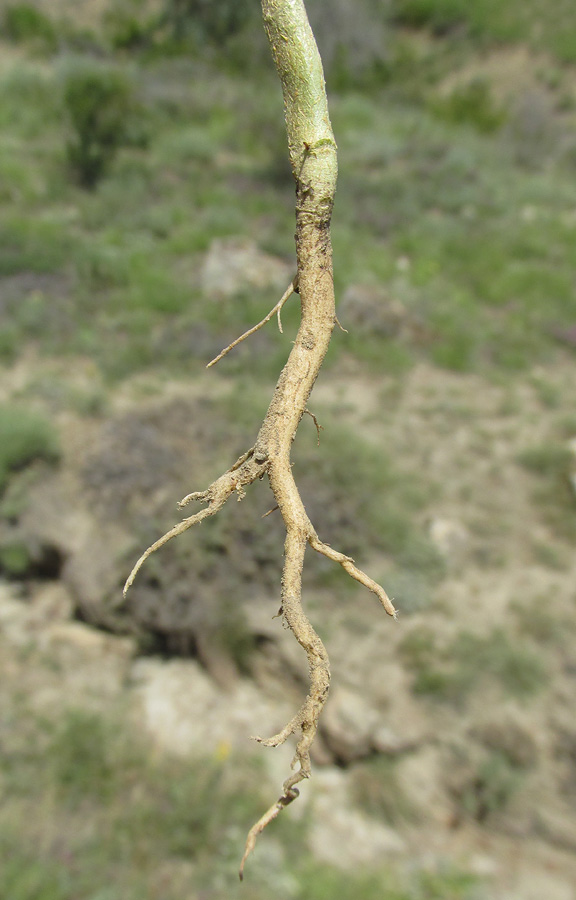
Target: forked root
(307, 718)
(253, 464)
(244, 471)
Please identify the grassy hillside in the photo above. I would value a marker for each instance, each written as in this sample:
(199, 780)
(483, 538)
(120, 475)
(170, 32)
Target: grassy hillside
(131, 144)
(456, 192)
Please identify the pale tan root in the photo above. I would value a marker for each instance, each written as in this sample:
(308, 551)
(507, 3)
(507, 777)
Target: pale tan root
(307, 718)
(347, 564)
(275, 310)
(270, 511)
(312, 151)
(319, 427)
(244, 471)
(205, 495)
(287, 797)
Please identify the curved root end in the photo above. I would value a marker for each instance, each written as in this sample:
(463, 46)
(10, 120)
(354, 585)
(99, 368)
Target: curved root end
(290, 794)
(135, 570)
(357, 574)
(180, 528)
(267, 742)
(215, 496)
(277, 739)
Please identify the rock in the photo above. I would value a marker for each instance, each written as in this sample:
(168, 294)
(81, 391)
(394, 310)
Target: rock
(483, 866)
(60, 520)
(352, 728)
(233, 265)
(557, 827)
(370, 309)
(185, 712)
(61, 663)
(14, 618)
(347, 839)
(53, 601)
(509, 732)
(450, 538)
(87, 642)
(420, 776)
(386, 741)
(27, 622)
(92, 663)
(535, 884)
(343, 837)
(280, 655)
(348, 725)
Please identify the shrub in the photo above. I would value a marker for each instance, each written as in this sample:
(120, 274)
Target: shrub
(125, 25)
(30, 245)
(352, 41)
(14, 559)
(205, 20)
(548, 460)
(79, 756)
(470, 104)
(23, 22)
(102, 113)
(552, 465)
(452, 672)
(24, 437)
(376, 790)
(440, 16)
(489, 791)
(519, 670)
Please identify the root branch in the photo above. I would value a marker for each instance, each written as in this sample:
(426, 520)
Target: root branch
(276, 310)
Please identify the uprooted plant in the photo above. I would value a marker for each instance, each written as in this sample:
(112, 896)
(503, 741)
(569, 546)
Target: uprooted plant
(312, 152)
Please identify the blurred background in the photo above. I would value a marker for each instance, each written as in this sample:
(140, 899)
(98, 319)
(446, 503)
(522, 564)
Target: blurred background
(146, 220)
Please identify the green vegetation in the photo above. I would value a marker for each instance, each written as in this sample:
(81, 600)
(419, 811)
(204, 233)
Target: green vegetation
(205, 20)
(14, 559)
(322, 883)
(537, 621)
(452, 671)
(488, 22)
(25, 23)
(376, 790)
(24, 437)
(548, 460)
(471, 103)
(89, 813)
(437, 197)
(552, 464)
(494, 783)
(101, 109)
(117, 813)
